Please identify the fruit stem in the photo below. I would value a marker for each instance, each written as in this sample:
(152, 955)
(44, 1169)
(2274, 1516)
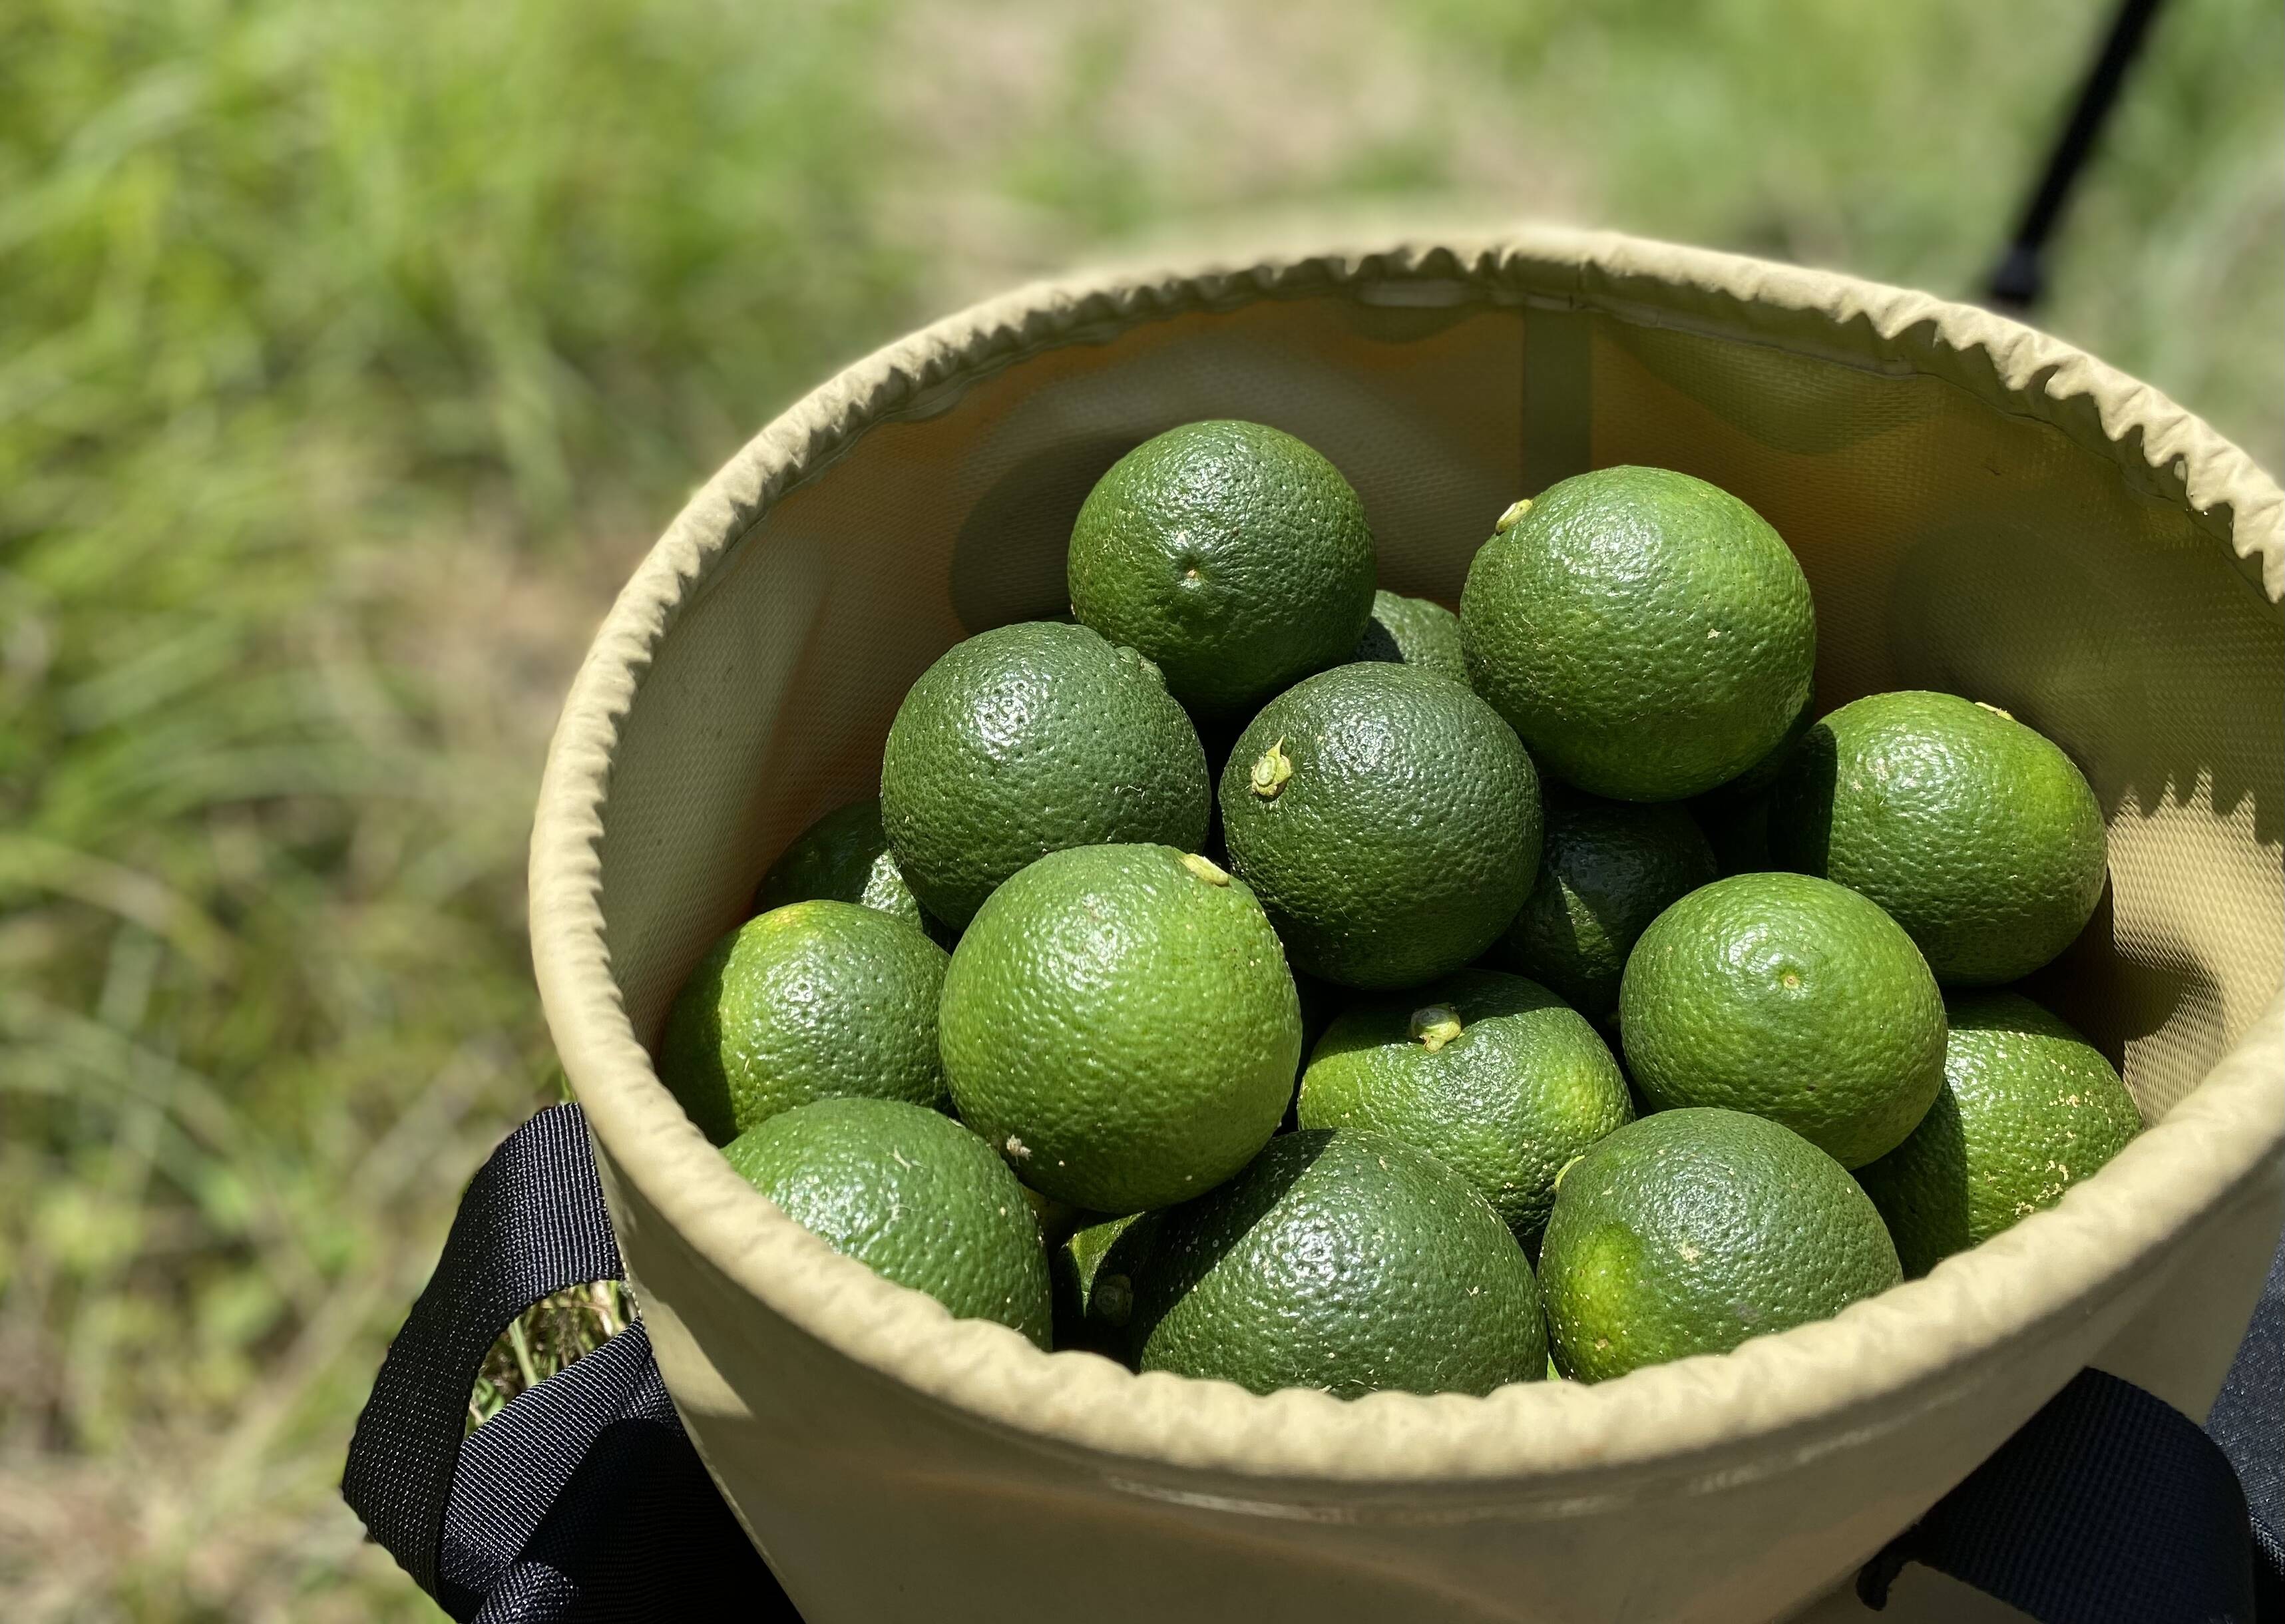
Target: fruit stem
(1205, 868)
(1271, 769)
(1435, 1026)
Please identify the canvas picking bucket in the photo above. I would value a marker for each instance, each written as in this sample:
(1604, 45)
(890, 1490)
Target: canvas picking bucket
(1978, 507)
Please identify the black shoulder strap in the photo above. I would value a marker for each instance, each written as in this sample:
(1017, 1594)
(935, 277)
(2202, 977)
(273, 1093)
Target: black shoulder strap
(581, 1499)
(2021, 276)
(584, 1500)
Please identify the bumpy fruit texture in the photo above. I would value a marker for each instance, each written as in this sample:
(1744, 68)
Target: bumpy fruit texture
(1647, 634)
(1692, 1230)
(1978, 835)
(1118, 1021)
(912, 1195)
(1413, 631)
(1792, 998)
(1026, 740)
(843, 856)
(1232, 554)
(2029, 1109)
(1606, 869)
(1344, 1261)
(1491, 1074)
(810, 1002)
(1387, 819)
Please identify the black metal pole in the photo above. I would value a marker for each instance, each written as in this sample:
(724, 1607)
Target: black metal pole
(2021, 276)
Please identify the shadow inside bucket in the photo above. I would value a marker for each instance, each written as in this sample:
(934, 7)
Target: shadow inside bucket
(1008, 561)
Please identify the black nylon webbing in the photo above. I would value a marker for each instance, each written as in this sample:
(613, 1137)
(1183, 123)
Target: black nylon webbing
(581, 1499)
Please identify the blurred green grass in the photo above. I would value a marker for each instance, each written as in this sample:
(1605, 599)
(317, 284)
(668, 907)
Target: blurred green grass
(350, 354)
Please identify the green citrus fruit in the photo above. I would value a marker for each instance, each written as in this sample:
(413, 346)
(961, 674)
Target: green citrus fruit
(1647, 634)
(2029, 1109)
(1104, 1255)
(910, 1194)
(843, 856)
(1388, 820)
(1492, 1075)
(1344, 1261)
(1024, 741)
(1792, 998)
(809, 1001)
(1413, 631)
(1232, 554)
(1119, 1022)
(1976, 833)
(1606, 869)
(1690, 1231)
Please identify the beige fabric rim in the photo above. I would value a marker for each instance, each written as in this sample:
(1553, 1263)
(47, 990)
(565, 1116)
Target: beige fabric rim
(1916, 1342)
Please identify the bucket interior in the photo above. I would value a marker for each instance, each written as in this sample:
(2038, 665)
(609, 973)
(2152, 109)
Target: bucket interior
(1951, 543)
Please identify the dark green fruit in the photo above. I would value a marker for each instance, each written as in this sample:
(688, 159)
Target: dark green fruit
(913, 1196)
(1692, 1230)
(1413, 631)
(1978, 835)
(1607, 870)
(1647, 634)
(809, 1001)
(2029, 1109)
(1492, 1075)
(1388, 820)
(1790, 996)
(1344, 1261)
(843, 856)
(1119, 1023)
(1025, 741)
(1232, 554)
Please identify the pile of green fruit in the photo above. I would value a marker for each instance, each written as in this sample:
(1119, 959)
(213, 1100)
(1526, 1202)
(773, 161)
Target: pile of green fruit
(1264, 976)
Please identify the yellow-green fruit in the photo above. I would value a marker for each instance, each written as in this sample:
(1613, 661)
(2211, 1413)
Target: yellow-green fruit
(1118, 1021)
(1606, 869)
(1647, 634)
(913, 1196)
(1689, 1231)
(843, 856)
(1232, 554)
(1413, 631)
(1344, 1261)
(1024, 741)
(1388, 820)
(2029, 1109)
(1792, 998)
(809, 1001)
(1491, 1074)
(1978, 835)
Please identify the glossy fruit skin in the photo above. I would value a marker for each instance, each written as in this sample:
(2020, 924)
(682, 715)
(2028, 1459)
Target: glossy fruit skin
(810, 1002)
(1121, 1027)
(912, 1195)
(1413, 631)
(1344, 1261)
(1978, 834)
(1405, 835)
(1525, 1085)
(844, 857)
(1647, 634)
(1792, 998)
(1689, 1231)
(1231, 552)
(1025, 740)
(2029, 1109)
(1606, 869)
